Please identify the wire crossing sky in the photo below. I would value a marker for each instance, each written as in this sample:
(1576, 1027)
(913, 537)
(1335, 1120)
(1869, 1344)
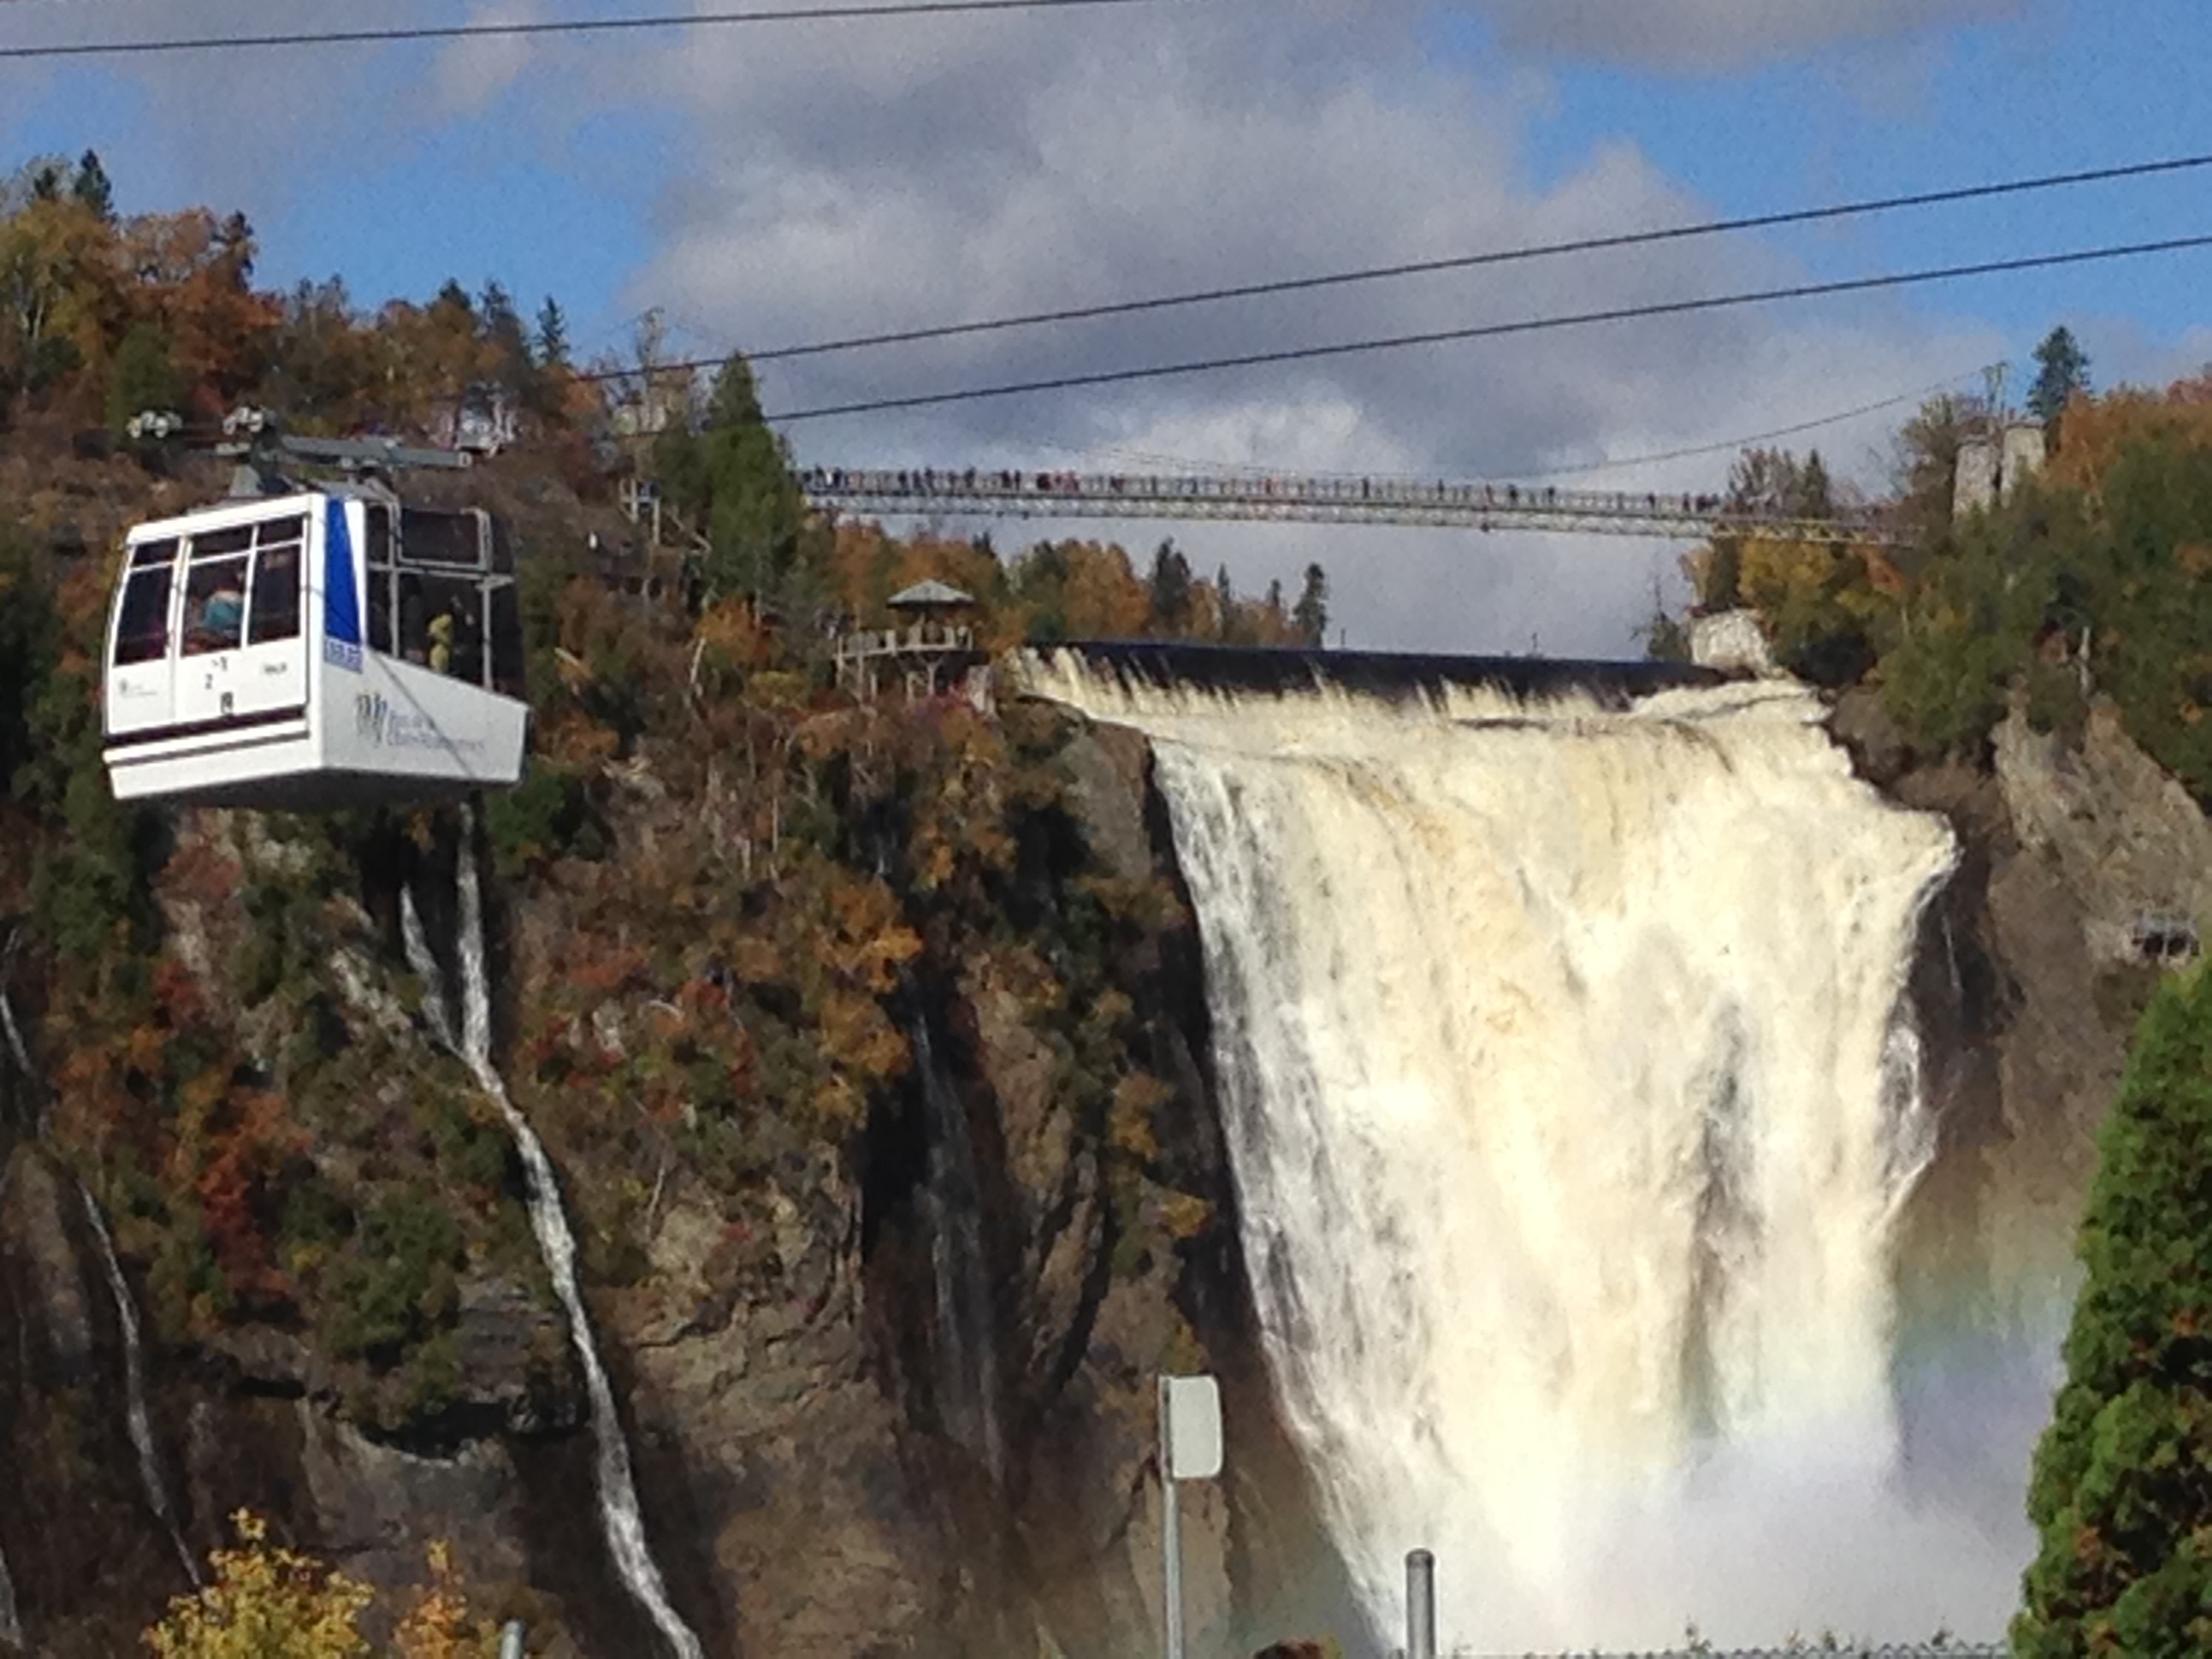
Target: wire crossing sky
(1500, 331)
(831, 14)
(1502, 256)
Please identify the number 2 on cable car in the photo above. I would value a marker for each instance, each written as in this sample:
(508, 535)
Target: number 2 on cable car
(240, 654)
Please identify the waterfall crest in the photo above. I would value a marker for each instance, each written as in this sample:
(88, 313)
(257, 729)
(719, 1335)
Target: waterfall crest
(1572, 1097)
(136, 1417)
(621, 1518)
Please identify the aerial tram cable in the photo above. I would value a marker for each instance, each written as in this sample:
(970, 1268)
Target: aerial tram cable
(1495, 330)
(845, 11)
(1866, 207)
(304, 646)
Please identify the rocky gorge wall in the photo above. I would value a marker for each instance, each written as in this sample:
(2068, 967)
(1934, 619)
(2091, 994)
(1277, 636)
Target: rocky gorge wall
(870, 1418)
(834, 1459)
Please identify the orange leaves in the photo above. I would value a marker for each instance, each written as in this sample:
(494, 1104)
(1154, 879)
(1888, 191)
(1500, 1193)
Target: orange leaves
(868, 943)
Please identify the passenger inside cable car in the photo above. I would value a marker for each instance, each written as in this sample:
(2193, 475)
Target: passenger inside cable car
(325, 647)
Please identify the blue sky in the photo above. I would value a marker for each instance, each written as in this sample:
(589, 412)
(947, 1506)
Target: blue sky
(775, 184)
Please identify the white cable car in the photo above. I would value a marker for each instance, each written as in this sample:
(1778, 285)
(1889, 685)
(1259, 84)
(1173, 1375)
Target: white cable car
(319, 649)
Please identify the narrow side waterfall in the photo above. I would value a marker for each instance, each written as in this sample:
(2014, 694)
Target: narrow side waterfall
(966, 1331)
(1572, 1098)
(11, 1621)
(620, 1516)
(135, 1418)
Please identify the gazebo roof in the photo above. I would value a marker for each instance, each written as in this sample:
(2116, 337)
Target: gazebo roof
(932, 595)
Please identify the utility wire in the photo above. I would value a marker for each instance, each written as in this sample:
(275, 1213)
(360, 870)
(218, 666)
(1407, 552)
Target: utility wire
(1499, 256)
(847, 11)
(1498, 331)
(1236, 470)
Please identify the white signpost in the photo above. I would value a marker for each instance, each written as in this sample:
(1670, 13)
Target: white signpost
(1190, 1450)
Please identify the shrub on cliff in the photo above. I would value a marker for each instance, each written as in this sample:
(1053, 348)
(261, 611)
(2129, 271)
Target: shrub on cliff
(2122, 1486)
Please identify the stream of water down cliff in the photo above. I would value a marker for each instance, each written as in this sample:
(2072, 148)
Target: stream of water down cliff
(1572, 1097)
(621, 1518)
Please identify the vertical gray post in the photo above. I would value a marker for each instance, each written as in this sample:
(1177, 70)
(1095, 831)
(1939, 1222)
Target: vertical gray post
(1171, 1532)
(510, 1640)
(1421, 1605)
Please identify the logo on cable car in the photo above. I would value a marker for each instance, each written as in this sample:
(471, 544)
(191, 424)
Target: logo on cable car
(371, 715)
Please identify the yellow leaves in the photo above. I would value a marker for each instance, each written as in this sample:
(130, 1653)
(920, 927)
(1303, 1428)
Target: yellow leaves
(262, 1602)
(440, 1625)
(1184, 1217)
(268, 1603)
(1129, 1119)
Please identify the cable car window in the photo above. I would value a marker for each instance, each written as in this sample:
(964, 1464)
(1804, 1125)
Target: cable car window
(446, 539)
(146, 555)
(379, 577)
(215, 591)
(276, 606)
(508, 670)
(141, 629)
(441, 625)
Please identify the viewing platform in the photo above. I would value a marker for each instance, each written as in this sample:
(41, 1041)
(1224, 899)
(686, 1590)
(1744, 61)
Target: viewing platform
(930, 655)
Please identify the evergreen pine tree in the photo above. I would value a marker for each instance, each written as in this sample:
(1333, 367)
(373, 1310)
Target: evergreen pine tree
(93, 188)
(2062, 370)
(552, 335)
(1310, 615)
(1170, 588)
(2122, 1493)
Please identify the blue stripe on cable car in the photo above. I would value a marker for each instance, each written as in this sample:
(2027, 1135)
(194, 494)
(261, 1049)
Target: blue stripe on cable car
(341, 601)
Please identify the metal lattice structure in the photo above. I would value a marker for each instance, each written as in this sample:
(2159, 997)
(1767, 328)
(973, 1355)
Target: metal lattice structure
(966, 492)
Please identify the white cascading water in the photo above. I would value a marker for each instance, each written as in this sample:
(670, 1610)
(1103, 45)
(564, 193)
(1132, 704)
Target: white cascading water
(1572, 1097)
(620, 1515)
(11, 1621)
(134, 1415)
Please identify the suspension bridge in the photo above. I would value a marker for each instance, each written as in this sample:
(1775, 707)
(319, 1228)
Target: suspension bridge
(977, 492)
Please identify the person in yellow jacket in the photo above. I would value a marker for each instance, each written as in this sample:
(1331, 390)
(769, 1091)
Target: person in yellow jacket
(441, 643)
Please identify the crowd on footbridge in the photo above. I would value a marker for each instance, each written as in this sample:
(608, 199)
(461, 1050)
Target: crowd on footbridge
(999, 485)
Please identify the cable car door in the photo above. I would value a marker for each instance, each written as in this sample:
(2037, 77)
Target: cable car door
(142, 669)
(241, 656)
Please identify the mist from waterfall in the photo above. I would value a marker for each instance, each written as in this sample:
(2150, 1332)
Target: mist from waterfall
(622, 1519)
(1572, 1097)
(134, 1415)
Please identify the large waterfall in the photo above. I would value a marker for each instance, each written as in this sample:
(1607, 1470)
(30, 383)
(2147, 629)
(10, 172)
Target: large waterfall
(621, 1516)
(1572, 1098)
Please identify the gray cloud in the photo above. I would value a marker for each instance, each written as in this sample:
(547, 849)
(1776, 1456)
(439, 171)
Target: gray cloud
(1706, 35)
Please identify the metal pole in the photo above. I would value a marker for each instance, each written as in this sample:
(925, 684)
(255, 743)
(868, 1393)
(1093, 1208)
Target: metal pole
(510, 1640)
(1421, 1605)
(1170, 1533)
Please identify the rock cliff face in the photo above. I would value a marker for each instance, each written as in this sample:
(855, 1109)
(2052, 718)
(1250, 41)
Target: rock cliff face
(889, 1391)
(888, 1386)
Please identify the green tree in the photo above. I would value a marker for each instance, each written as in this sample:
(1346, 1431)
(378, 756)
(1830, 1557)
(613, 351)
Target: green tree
(1309, 616)
(736, 475)
(1170, 588)
(2062, 373)
(93, 188)
(552, 335)
(2122, 1491)
(144, 376)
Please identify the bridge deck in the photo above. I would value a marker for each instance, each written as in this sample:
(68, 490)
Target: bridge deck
(976, 492)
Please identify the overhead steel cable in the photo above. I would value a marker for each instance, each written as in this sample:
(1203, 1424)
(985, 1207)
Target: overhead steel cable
(845, 11)
(1497, 331)
(1499, 256)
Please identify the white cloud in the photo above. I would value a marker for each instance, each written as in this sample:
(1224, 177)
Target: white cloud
(912, 176)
